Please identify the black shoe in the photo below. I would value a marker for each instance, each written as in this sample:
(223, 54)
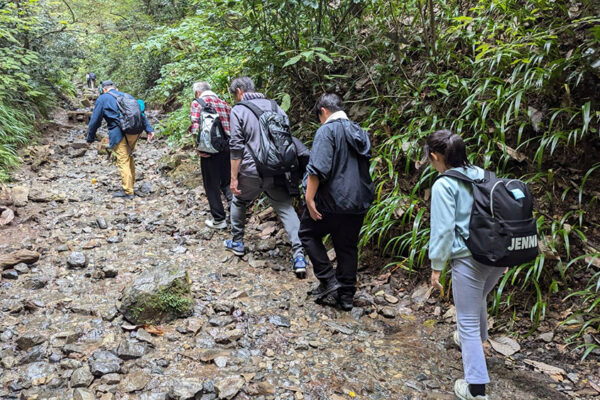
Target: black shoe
(345, 300)
(122, 194)
(325, 287)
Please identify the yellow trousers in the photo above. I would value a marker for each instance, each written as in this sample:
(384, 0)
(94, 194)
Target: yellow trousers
(124, 152)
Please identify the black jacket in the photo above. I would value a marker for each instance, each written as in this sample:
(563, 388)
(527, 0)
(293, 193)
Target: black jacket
(340, 159)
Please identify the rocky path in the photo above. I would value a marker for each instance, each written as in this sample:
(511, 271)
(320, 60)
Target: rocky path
(253, 333)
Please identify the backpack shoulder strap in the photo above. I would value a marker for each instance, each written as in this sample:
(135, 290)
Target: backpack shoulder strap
(487, 175)
(116, 96)
(252, 107)
(201, 102)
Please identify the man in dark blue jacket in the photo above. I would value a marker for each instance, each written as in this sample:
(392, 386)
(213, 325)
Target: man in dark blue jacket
(123, 145)
(339, 191)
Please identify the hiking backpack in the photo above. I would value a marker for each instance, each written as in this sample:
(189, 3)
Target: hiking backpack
(211, 136)
(131, 120)
(276, 154)
(92, 76)
(502, 230)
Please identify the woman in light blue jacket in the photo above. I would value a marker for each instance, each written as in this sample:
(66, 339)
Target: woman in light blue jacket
(451, 202)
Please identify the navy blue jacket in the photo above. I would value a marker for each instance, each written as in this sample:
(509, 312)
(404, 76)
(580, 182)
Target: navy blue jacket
(106, 106)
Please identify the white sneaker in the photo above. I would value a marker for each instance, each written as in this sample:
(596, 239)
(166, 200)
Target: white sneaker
(456, 339)
(215, 225)
(461, 390)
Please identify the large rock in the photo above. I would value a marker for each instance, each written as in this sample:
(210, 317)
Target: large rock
(17, 257)
(159, 294)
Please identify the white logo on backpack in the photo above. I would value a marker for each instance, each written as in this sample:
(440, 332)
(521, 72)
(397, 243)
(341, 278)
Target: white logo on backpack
(522, 243)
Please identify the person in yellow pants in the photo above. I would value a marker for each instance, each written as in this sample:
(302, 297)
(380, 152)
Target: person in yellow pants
(106, 108)
(125, 162)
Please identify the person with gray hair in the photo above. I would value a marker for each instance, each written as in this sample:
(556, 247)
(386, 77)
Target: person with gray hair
(246, 182)
(215, 167)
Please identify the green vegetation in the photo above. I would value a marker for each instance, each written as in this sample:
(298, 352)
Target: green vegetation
(518, 79)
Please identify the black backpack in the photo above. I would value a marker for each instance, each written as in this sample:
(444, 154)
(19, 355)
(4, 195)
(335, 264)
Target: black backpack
(277, 154)
(502, 230)
(131, 119)
(211, 137)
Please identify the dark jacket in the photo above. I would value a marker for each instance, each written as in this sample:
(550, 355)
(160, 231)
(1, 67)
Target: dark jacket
(246, 131)
(340, 159)
(106, 106)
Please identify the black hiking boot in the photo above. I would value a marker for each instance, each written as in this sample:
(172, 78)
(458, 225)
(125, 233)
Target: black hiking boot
(325, 287)
(345, 300)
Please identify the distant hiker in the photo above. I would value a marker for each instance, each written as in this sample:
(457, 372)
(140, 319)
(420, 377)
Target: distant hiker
(251, 175)
(125, 120)
(451, 202)
(210, 128)
(339, 191)
(91, 80)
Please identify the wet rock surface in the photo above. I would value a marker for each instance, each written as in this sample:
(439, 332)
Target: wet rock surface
(249, 330)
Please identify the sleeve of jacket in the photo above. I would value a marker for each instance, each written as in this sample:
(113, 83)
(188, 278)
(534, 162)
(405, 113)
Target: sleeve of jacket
(149, 127)
(443, 221)
(236, 140)
(321, 154)
(95, 120)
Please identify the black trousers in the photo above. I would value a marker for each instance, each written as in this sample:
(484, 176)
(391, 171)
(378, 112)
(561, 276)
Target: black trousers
(216, 176)
(344, 230)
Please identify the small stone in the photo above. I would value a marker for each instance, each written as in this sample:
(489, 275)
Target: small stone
(134, 381)
(388, 312)
(36, 282)
(128, 350)
(101, 223)
(390, 299)
(21, 268)
(82, 377)
(547, 337)
(10, 274)
(144, 336)
(227, 388)
(220, 362)
(193, 325)
(278, 320)
(77, 260)
(20, 196)
(185, 389)
(111, 379)
(104, 362)
(110, 271)
(29, 340)
(83, 394)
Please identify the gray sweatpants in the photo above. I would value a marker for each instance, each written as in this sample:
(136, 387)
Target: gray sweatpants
(281, 201)
(471, 283)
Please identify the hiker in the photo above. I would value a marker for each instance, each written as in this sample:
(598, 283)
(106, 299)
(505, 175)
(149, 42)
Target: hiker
(451, 202)
(91, 80)
(107, 107)
(339, 191)
(246, 182)
(216, 164)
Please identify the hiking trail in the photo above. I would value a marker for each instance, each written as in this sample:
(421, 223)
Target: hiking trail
(254, 334)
